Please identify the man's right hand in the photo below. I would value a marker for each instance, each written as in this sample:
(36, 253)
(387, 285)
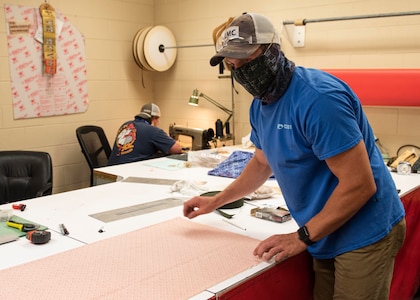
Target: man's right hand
(199, 205)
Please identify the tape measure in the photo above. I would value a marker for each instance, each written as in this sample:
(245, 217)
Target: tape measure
(39, 236)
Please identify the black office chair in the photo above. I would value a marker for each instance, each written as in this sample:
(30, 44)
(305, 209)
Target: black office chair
(24, 175)
(95, 147)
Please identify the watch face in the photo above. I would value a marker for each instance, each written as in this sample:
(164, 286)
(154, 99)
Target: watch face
(304, 236)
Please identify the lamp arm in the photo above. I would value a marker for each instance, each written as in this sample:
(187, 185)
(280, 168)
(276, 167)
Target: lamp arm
(214, 102)
(227, 120)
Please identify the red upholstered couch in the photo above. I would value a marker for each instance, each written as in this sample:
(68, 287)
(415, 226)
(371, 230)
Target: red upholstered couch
(383, 87)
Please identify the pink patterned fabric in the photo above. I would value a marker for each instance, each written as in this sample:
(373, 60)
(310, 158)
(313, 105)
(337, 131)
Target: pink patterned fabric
(176, 259)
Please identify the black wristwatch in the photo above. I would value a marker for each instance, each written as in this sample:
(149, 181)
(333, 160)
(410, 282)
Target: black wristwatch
(304, 236)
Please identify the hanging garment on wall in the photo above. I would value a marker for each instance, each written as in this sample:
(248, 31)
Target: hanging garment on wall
(34, 93)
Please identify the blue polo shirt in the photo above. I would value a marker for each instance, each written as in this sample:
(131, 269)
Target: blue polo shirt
(138, 140)
(318, 117)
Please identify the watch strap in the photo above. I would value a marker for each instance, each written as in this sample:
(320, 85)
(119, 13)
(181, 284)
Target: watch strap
(304, 236)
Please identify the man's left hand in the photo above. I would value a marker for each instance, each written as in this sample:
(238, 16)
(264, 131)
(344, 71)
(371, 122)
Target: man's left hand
(280, 246)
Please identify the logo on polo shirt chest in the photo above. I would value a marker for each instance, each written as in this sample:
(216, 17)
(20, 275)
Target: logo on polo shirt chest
(284, 126)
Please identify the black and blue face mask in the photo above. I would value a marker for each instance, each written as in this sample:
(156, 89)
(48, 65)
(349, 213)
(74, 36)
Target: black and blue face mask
(267, 76)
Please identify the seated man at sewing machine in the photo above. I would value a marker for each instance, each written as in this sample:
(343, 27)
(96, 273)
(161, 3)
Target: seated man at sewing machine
(141, 139)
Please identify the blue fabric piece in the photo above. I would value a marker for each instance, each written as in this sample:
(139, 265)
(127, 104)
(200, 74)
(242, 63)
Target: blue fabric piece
(233, 165)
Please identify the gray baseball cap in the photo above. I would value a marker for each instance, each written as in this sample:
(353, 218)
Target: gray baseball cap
(243, 37)
(149, 110)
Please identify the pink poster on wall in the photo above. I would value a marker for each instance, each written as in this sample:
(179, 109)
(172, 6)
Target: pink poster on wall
(34, 93)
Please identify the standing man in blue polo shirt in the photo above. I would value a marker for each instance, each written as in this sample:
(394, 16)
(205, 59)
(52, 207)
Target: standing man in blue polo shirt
(309, 129)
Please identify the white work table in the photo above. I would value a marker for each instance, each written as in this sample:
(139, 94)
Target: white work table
(168, 168)
(145, 169)
(75, 209)
(22, 251)
(405, 183)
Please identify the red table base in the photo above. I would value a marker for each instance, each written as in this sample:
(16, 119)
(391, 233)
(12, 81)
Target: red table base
(290, 279)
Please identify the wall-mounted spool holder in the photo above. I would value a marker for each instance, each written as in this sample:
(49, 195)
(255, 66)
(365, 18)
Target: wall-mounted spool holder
(155, 49)
(147, 48)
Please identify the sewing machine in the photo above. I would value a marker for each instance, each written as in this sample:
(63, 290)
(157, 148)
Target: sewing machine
(200, 137)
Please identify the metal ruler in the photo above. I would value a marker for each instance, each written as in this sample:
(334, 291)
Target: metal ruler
(136, 210)
(150, 180)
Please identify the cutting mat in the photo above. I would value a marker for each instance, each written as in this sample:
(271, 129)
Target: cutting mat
(172, 260)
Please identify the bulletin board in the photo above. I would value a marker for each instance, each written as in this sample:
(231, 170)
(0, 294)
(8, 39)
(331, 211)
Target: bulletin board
(34, 93)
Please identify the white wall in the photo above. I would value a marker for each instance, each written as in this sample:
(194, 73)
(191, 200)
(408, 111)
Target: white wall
(378, 43)
(114, 85)
(116, 92)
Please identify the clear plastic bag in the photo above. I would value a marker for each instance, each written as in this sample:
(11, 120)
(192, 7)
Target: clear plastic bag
(206, 159)
(5, 214)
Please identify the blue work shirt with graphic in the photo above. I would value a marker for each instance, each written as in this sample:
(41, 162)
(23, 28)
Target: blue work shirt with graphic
(317, 118)
(138, 140)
